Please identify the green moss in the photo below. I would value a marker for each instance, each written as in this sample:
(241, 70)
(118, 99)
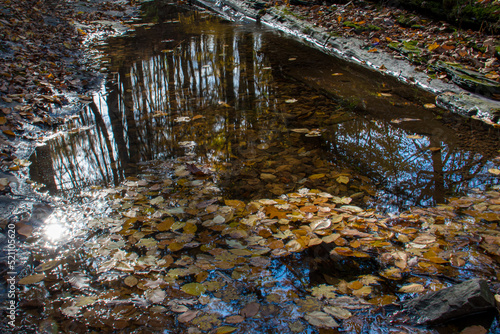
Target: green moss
(373, 27)
(288, 12)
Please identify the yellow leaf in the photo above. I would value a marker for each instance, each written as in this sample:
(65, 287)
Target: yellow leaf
(355, 285)
(47, 265)
(494, 171)
(316, 176)
(32, 279)
(190, 228)
(343, 179)
(165, 225)
(226, 329)
(175, 246)
(235, 204)
(412, 288)
(433, 46)
(363, 292)
(194, 289)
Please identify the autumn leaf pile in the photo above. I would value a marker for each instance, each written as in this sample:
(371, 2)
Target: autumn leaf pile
(171, 252)
(42, 64)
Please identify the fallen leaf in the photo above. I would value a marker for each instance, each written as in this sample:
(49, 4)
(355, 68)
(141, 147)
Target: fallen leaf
(250, 310)
(337, 312)
(32, 279)
(412, 288)
(195, 289)
(321, 319)
(47, 265)
(130, 280)
(225, 329)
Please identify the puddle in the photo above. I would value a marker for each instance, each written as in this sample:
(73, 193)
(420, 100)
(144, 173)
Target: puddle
(239, 182)
(268, 114)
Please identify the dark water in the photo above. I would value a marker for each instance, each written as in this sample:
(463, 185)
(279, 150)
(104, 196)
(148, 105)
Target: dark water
(245, 101)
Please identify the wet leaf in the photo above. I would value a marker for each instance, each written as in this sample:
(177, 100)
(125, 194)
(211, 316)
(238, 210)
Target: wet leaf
(187, 316)
(474, 330)
(130, 280)
(47, 265)
(412, 288)
(250, 310)
(234, 319)
(494, 171)
(343, 179)
(321, 319)
(194, 289)
(24, 229)
(324, 291)
(32, 279)
(337, 312)
(71, 311)
(225, 329)
(155, 296)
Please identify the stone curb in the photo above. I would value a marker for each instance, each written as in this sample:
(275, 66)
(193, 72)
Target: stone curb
(448, 96)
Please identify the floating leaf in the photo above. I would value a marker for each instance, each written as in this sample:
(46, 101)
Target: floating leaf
(321, 319)
(494, 171)
(225, 329)
(412, 288)
(47, 265)
(337, 312)
(130, 280)
(187, 316)
(155, 296)
(250, 310)
(32, 279)
(194, 289)
(324, 291)
(234, 319)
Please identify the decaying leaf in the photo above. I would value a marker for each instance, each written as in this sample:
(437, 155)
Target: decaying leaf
(321, 319)
(195, 289)
(32, 279)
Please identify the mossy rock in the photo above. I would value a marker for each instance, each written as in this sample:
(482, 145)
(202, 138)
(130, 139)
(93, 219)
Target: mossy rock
(468, 79)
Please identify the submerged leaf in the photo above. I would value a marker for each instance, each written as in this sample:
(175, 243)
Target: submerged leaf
(321, 319)
(32, 279)
(194, 289)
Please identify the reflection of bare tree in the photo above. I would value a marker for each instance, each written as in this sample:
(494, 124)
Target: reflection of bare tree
(224, 75)
(411, 172)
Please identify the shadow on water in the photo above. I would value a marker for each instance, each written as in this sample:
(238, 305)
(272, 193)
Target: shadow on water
(268, 114)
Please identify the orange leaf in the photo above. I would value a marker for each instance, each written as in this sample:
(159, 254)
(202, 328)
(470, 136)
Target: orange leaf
(272, 212)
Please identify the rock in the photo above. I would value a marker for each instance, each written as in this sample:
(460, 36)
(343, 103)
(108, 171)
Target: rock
(469, 297)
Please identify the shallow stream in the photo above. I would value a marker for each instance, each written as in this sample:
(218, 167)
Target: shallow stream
(226, 178)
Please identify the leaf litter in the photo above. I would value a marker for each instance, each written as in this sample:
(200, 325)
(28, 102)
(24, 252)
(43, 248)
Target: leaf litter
(216, 264)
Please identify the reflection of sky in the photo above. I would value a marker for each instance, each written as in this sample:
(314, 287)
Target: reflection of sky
(404, 166)
(191, 81)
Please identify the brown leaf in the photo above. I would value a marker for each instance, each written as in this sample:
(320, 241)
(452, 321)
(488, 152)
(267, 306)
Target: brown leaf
(32, 279)
(195, 170)
(234, 319)
(250, 310)
(24, 229)
(187, 316)
(474, 330)
(272, 212)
